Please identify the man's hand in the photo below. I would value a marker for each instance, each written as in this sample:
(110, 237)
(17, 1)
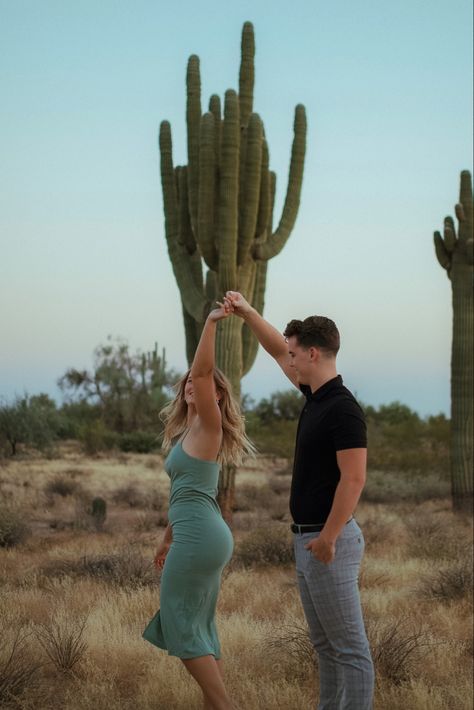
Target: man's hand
(240, 305)
(224, 310)
(322, 549)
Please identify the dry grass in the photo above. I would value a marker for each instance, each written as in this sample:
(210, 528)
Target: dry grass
(415, 589)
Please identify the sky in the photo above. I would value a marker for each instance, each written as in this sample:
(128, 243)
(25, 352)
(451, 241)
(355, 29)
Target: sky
(387, 88)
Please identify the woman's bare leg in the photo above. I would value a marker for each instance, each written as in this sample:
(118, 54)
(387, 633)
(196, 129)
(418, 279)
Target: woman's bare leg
(206, 672)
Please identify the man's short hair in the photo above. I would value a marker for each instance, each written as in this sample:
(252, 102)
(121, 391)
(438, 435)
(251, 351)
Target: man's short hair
(315, 331)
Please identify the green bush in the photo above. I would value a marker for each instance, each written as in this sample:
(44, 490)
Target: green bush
(95, 437)
(141, 442)
(13, 529)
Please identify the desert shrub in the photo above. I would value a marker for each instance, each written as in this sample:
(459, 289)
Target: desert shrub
(397, 647)
(270, 545)
(95, 437)
(389, 487)
(141, 442)
(292, 650)
(449, 584)
(129, 495)
(126, 568)
(62, 640)
(275, 438)
(430, 537)
(18, 669)
(376, 530)
(280, 485)
(62, 486)
(252, 497)
(13, 529)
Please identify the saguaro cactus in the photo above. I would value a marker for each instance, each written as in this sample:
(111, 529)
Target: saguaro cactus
(455, 254)
(219, 210)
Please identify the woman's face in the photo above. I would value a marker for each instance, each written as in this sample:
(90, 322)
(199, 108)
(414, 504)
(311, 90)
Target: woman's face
(189, 391)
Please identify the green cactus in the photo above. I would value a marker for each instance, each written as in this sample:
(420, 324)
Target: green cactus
(455, 254)
(99, 512)
(219, 210)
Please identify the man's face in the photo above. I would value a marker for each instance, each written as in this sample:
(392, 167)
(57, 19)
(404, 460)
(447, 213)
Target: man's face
(300, 359)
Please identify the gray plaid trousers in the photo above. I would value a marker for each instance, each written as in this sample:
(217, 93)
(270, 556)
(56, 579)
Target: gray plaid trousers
(331, 603)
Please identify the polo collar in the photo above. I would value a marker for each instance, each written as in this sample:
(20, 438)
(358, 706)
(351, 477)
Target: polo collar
(322, 391)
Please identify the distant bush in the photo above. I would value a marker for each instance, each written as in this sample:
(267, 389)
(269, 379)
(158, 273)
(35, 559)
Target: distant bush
(95, 437)
(126, 568)
(449, 584)
(270, 545)
(141, 442)
(62, 486)
(252, 497)
(384, 486)
(13, 529)
(129, 495)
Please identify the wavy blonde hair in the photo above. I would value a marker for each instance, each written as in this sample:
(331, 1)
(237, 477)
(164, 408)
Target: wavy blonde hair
(235, 443)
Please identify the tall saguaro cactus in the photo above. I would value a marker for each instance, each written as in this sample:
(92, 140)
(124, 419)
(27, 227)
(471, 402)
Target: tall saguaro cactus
(455, 254)
(219, 214)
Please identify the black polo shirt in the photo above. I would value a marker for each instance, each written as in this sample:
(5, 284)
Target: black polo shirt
(331, 421)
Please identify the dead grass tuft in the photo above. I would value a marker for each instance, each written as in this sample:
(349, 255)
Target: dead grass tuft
(62, 640)
(397, 646)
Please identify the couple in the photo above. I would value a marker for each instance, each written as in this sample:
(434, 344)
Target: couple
(205, 425)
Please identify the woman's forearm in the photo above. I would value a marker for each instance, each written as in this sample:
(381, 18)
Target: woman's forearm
(204, 358)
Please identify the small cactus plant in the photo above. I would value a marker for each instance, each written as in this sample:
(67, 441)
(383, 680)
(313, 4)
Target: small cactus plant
(99, 512)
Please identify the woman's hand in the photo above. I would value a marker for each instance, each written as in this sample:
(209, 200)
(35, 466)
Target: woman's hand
(160, 556)
(224, 310)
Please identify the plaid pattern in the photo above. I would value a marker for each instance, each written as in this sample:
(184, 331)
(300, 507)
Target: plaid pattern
(331, 603)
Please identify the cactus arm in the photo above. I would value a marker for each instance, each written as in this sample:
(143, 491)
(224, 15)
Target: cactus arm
(278, 239)
(464, 213)
(263, 218)
(246, 73)
(206, 192)
(449, 235)
(192, 334)
(185, 232)
(442, 253)
(193, 120)
(215, 109)
(228, 194)
(211, 287)
(191, 294)
(251, 187)
(249, 341)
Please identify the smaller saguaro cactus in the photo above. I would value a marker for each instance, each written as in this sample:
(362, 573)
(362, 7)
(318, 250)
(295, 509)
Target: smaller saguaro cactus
(99, 512)
(454, 251)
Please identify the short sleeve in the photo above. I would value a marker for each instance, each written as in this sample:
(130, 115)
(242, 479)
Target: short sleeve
(348, 427)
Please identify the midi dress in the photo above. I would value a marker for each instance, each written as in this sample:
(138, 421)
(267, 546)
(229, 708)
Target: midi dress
(201, 547)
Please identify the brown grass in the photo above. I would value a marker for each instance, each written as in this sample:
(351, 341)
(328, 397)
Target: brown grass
(414, 581)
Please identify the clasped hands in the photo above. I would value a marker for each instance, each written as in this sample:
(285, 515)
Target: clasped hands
(233, 302)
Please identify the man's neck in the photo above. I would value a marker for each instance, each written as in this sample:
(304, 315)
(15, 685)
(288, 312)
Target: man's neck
(318, 379)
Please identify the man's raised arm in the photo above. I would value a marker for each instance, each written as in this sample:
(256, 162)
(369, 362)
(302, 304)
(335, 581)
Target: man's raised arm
(268, 336)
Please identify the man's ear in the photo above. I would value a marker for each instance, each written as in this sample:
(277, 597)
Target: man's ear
(314, 354)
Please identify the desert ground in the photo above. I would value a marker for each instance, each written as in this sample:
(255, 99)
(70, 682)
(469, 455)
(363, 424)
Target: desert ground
(77, 591)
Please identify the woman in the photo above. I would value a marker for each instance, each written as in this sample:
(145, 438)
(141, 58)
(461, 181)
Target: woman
(205, 423)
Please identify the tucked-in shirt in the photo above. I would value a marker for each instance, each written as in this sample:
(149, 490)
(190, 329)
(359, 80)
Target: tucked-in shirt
(331, 421)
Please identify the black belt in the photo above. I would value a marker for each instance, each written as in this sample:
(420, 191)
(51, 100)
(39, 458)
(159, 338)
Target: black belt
(300, 529)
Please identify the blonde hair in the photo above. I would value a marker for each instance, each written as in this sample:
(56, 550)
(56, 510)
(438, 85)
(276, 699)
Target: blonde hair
(235, 443)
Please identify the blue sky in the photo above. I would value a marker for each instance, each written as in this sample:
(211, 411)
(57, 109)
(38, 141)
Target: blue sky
(84, 85)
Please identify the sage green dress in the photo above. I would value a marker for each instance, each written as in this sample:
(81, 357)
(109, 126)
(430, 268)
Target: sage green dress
(202, 545)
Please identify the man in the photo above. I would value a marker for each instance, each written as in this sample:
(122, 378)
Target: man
(328, 478)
